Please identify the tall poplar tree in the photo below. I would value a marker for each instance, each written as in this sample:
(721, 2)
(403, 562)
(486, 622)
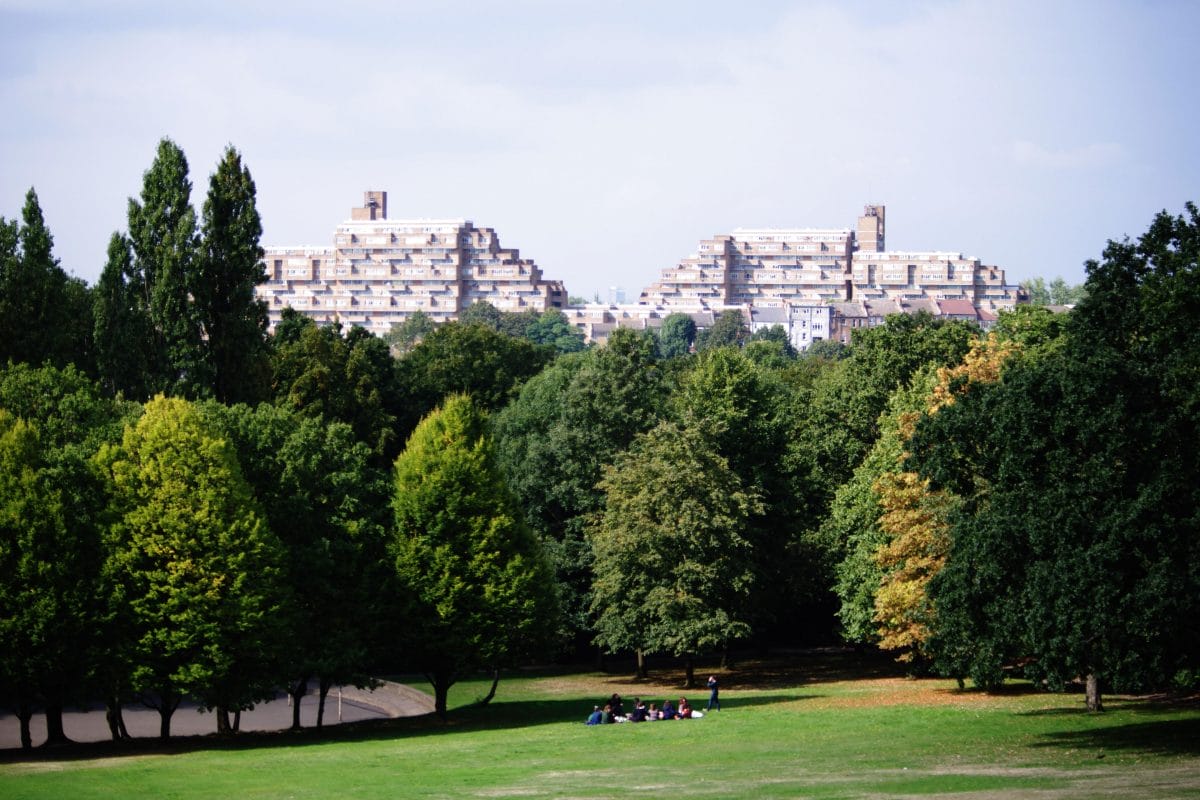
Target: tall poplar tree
(123, 337)
(233, 319)
(162, 231)
(42, 312)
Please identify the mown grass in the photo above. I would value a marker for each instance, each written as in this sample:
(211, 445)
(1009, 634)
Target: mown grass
(806, 727)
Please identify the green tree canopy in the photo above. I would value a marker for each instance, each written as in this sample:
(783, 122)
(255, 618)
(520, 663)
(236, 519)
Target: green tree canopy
(481, 592)
(406, 335)
(1079, 472)
(229, 267)
(728, 329)
(45, 316)
(352, 379)
(466, 357)
(57, 421)
(676, 336)
(162, 232)
(554, 439)
(193, 571)
(327, 503)
(673, 568)
(552, 329)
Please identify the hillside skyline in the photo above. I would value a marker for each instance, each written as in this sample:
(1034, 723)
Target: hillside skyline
(604, 143)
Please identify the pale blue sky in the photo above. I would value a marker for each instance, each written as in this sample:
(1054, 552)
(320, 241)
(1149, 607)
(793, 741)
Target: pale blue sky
(605, 139)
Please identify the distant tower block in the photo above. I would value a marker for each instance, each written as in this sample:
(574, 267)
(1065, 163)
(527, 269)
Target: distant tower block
(870, 230)
(374, 207)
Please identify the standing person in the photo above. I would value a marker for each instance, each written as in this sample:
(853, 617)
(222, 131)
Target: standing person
(713, 699)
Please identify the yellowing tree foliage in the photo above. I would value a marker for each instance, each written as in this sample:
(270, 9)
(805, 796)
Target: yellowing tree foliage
(914, 520)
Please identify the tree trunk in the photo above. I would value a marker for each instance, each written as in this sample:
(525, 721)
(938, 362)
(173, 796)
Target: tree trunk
(168, 702)
(1094, 702)
(491, 692)
(326, 683)
(297, 691)
(726, 659)
(110, 716)
(599, 659)
(641, 663)
(24, 716)
(441, 691)
(223, 726)
(114, 715)
(690, 667)
(54, 726)
(237, 720)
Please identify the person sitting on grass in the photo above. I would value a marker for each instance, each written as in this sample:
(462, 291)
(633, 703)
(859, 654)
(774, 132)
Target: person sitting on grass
(608, 715)
(596, 717)
(685, 710)
(618, 708)
(639, 711)
(654, 713)
(668, 710)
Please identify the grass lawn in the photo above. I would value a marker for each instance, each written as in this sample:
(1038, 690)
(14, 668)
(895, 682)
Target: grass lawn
(810, 726)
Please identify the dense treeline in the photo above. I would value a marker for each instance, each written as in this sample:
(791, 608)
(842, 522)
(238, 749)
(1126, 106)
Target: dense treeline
(192, 508)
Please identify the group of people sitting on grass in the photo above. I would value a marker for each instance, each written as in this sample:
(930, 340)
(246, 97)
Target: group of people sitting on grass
(614, 711)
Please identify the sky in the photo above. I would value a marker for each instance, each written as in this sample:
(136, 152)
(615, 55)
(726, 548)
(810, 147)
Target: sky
(604, 140)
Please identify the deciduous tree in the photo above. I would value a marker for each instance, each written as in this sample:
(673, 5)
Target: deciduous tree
(232, 319)
(327, 504)
(192, 570)
(481, 592)
(1079, 474)
(162, 232)
(673, 567)
(554, 439)
(676, 335)
(59, 420)
(45, 316)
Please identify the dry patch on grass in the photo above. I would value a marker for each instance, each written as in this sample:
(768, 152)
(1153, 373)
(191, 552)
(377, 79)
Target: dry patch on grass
(904, 691)
(40, 767)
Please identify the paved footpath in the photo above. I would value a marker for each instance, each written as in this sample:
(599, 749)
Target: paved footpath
(387, 700)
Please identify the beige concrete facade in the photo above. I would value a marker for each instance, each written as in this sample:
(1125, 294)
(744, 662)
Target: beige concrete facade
(762, 267)
(767, 268)
(379, 271)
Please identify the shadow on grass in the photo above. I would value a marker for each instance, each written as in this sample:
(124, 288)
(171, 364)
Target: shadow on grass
(782, 670)
(1163, 737)
(497, 715)
(1131, 704)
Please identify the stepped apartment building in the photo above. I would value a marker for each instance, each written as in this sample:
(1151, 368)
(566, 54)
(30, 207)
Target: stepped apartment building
(380, 270)
(776, 268)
